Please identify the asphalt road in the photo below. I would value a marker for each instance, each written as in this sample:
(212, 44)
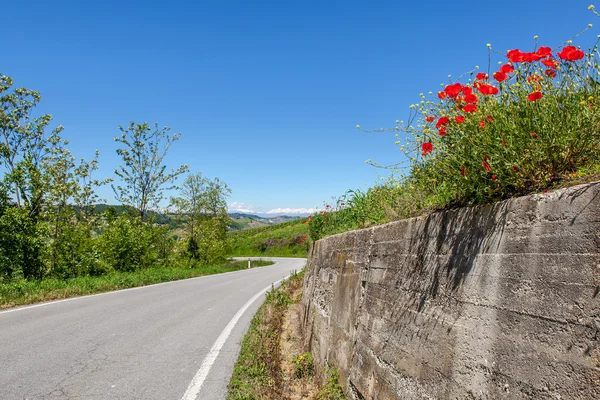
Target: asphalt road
(153, 342)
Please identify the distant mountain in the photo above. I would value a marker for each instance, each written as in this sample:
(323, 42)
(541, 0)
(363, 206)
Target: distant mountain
(247, 221)
(240, 220)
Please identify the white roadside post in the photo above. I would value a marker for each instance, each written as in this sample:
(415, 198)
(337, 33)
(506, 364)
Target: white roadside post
(248, 263)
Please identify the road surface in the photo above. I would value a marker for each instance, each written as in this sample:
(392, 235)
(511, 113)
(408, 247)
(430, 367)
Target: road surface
(176, 340)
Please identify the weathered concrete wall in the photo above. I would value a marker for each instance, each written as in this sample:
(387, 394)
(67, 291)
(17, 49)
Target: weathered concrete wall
(489, 302)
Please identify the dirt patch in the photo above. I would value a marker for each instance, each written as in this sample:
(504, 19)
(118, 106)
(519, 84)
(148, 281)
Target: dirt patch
(291, 340)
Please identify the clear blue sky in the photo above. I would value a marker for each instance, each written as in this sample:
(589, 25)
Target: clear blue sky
(267, 94)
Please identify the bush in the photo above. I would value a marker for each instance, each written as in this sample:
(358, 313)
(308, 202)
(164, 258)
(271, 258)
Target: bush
(533, 122)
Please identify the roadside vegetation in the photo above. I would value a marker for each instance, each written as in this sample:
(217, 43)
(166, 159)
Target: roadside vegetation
(529, 124)
(272, 363)
(288, 239)
(33, 291)
(53, 241)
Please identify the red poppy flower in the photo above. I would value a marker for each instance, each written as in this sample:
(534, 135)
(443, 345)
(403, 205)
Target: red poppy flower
(550, 73)
(500, 76)
(463, 171)
(516, 56)
(470, 108)
(427, 147)
(442, 95)
(442, 131)
(486, 157)
(489, 118)
(534, 78)
(304, 222)
(487, 166)
(466, 90)
(534, 96)
(544, 52)
(533, 134)
(481, 124)
(571, 53)
(494, 177)
(487, 89)
(453, 90)
(430, 118)
(550, 63)
(515, 168)
(471, 98)
(482, 76)
(459, 119)
(442, 121)
(343, 204)
(507, 69)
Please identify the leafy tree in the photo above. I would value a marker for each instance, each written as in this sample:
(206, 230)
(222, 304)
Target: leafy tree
(203, 201)
(144, 177)
(23, 149)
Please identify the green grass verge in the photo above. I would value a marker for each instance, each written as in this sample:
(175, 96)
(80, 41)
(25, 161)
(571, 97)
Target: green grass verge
(281, 240)
(28, 292)
(257, 373)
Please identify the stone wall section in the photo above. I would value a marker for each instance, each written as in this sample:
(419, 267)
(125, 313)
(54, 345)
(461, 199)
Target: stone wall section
(488, 302)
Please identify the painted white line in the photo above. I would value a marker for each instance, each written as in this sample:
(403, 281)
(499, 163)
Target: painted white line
(196, 384)
(10, 310)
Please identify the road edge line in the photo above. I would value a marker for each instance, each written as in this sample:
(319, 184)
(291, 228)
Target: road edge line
(193, 389)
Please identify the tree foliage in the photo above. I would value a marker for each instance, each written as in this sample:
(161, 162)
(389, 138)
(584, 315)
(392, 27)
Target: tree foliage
(204, 202)
(144, 176)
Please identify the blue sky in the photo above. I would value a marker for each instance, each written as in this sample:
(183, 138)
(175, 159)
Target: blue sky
(266, 94)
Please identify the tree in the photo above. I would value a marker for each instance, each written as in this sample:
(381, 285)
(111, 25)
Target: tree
(143, 174)
(203, 202)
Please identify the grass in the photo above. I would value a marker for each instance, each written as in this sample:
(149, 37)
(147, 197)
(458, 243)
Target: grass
(29, 292)
(258, 372)
(282, 240)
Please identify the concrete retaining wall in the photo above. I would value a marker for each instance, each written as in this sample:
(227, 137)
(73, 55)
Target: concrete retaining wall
(490, 302)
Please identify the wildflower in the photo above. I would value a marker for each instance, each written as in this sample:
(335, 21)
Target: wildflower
(453, 90)
(533, 134)
(430, 118)
(487, 166)
(471, 98)
(515, 168)
(544, 52)
(489, 118)
(534, 78)
(357, 126)
(494, 177)
(459, 119)
(500, 76)
(304, 222)
(442, 121)
(550, 63)
(486, 89)
(463, 171)
(427, 147)
(507, 69)
(442, 95)
(534, 96)
(481, 124)
(482, 76)
(571, 53)
(470, 108)
(442, 131)
(550, 73)
(467, 90)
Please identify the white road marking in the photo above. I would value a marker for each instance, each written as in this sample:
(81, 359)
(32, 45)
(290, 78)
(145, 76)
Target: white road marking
(196, 384)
